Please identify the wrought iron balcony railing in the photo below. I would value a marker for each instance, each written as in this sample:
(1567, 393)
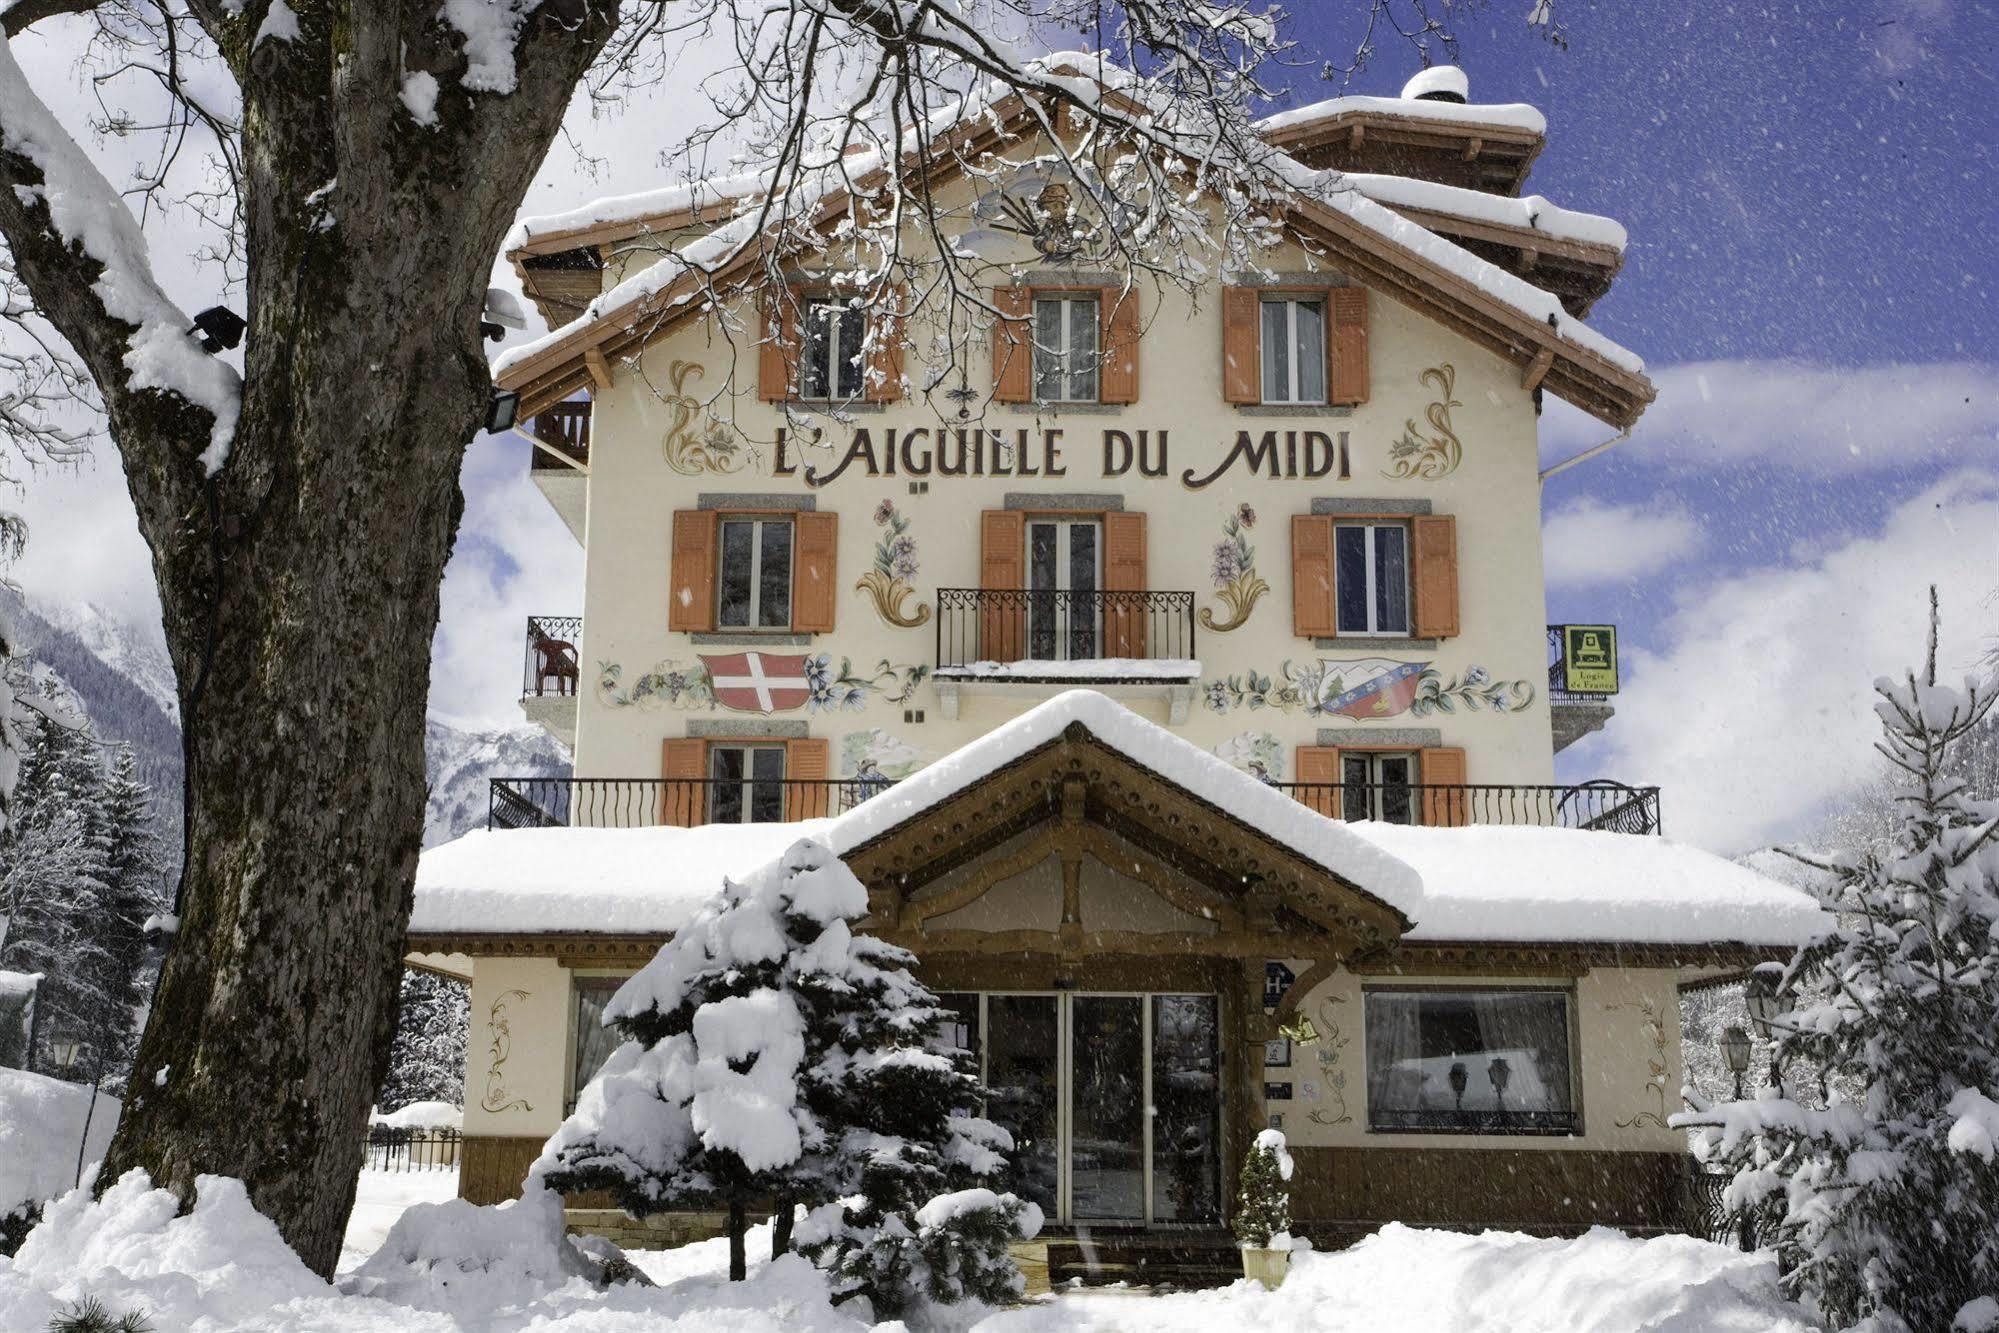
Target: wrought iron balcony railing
(565, 429)
(1060, 629)
(1609, 807)
(651, 802)
(551, 667)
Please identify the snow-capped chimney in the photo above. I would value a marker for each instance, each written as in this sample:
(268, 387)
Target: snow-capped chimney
(1440, 83)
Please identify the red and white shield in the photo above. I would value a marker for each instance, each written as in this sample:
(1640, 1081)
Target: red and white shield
(758, 682)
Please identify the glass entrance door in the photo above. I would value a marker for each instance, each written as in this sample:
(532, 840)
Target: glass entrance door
(1113, 1101)
(1063, 579)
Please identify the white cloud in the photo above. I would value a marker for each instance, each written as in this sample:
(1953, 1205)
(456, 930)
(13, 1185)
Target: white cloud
(1813, 418)
(1758, 716)
(1588, 542)
(84, 543)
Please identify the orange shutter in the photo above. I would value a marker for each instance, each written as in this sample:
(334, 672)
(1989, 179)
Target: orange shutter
(1013, 345)
(1443, 767)
(1319, 778)
(1312, 576)
(884, 378)
(1346, 347)
(1434, 570)
(1117, 382)
(1125, 619)
(1242, 357)
(807, 766)
(690, 593)
(814, 572)
(777, 353)
(684, 799)
(1002, 567)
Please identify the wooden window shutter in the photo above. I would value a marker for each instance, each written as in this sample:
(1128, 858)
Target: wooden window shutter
(1319, 778)
(683, 800)
(1312, 576)
(1002, 567)
(807, 766)
(1346, 346)
(1242, 354)
(1434, 574)
(1125, 618)
(1013, 345)
(884, 378)
(1117, 381)
(1443, 766)
(777, 353)
(690, 593)
(814, 571)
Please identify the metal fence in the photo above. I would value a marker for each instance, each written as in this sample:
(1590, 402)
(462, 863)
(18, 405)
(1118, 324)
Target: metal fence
(1061, 625)
(393, 1149)
(1609, 807)
(551, 666)
(648, 802)
(1711, 1219)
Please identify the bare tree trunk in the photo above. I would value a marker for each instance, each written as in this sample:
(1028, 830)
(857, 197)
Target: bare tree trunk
(780, 1226)
(739, 1225)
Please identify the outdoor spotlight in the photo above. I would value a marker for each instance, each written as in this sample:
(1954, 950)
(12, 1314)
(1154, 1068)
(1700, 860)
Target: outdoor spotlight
(1759, 994)
(219, 328)
(500, 410)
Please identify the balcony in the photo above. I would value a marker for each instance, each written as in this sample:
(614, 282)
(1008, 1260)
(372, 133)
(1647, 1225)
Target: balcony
(550, 674)
(1029, 644)
(651, 802)
(1608, 807)
(560, 463)
(1582, 675)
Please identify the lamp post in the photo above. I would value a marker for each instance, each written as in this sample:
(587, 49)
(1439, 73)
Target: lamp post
(1761, 995)
(1734, 1045)
(67, 1051)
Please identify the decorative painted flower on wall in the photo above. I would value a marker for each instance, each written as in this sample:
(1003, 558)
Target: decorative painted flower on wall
(845, 689)
(715, 449)
(667, 685)
(1257, 753)
(1365, 689)
(889, 581)
(671, 685)
(1429, 456)
(1236, 581)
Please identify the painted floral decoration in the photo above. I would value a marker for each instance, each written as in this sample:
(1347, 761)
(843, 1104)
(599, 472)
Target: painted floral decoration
(844, 689)
(1434, 455)
(667, 685)
(1316, 688)
(889, 582)
(716, 449)
(1237, 583)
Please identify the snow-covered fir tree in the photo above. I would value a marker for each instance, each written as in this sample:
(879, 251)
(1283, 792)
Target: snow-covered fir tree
(427, 1060)
(1263, 1193)
(1883, 1205)
(772, 1053)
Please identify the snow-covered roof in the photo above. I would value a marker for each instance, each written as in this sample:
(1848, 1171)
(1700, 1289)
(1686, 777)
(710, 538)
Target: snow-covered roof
(1511, 115)
(635, 208)
(1532, 212)
(1484, 883)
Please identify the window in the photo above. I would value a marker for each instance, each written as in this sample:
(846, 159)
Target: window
(1065, 349)
(829, 352)
(1065, 605)
(755, 574)
(1371, 577)
(593, 1042)
(1470, 1062)
(1377, 786)
(745, 783)
(1294, 350)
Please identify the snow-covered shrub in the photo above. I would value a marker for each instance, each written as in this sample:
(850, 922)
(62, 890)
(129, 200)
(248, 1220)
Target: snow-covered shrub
(1884, 1207)
(952, 1249)
(772, 1053)
(1263, 1197)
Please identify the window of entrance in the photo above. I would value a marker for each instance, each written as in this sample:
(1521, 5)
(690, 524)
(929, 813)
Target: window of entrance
(1377, 786)
(1113, 1100)
(747, 784)
(1065, 613)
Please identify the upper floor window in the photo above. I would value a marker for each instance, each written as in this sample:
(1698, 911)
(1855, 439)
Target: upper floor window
(1376, 785)
(1294, 350)
(829, 351)
(755, 569)
(1371, 578)
(1065, 349)
(1469, 1061)
(746, 783)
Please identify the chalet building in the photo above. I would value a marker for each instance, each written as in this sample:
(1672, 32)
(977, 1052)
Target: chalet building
(1179, 682)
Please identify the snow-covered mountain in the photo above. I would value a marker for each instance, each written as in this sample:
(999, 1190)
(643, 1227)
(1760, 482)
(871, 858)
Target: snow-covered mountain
(460, 761)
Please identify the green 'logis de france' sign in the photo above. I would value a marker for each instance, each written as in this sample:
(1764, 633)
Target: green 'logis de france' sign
(1589, 659)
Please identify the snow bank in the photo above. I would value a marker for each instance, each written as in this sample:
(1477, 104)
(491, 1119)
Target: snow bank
(421, 1115)
(41, 1128)
(1532, 884)
(460, 1258)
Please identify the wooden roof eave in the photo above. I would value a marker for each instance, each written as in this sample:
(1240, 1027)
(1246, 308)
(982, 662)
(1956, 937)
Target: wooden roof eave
(1519, 148)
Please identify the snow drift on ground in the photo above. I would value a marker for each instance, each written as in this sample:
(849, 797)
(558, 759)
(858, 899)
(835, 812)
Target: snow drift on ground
(41, 1127)
(421, 1115)
(222, 1267)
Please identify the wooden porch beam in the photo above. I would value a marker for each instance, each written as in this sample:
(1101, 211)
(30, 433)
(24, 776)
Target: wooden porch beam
(600, 369)
(1537, 369)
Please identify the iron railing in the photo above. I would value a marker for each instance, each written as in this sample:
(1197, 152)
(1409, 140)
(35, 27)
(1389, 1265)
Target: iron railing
(1558, 676)
(1711, 1220)
(1609, 807)
(551, 666)
(684, 802)
(565, 429)
(393, 1149)
(1057, 626)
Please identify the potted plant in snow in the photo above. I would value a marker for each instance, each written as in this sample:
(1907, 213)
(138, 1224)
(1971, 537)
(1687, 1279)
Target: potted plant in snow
(1263, 1211)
